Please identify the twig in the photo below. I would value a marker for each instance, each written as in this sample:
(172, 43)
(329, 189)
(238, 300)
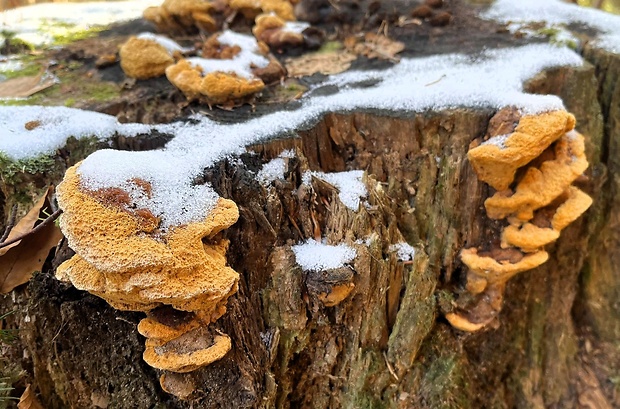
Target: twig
(40, 226)
(10, 225)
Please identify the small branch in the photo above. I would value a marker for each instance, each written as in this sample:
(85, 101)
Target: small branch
(10, 225)
(40, 226)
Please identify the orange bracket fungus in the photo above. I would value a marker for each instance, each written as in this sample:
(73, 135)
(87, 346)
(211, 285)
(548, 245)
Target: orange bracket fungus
(226, 77)
(532, 162)
(278, 33)
(182, 16)
(177, 275)
(148, 55)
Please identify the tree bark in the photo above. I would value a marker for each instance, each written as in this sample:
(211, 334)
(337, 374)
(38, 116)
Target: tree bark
(387, 345)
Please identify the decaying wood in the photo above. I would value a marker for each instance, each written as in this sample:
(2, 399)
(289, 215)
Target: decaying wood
(388, 343)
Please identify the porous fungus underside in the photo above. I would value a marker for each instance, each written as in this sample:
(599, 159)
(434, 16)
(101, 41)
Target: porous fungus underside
(124, 257)
(546, 156)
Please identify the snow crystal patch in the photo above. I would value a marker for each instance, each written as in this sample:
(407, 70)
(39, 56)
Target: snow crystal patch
(170, 45)
(54, 126)
(241, 64)
(493, 79)
(555, 12)
(296, 27)
(350, 187)
(274, 169)
(315, 256)
(404, 251)
(498, 140)
(30, 23)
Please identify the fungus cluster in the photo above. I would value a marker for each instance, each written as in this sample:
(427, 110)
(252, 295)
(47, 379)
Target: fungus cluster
(531, 161)
(178, 276)
(227, 68)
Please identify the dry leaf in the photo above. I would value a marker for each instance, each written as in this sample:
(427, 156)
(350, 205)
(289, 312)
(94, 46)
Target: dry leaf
(28, 400)
(325, 63)
(376, 46)
(19, 262)
(23, 87)
(27, 222)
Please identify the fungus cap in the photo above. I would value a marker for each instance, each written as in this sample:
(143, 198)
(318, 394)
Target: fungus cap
(494, 271)
(143, 58)
(496, 160)
(540, 186)
(191, 351)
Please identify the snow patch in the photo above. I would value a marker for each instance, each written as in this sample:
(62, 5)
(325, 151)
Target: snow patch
(241, 64)
(315, 256)
(170, 45)
(350, 187)
(498, 140)
(30, 23)
(404, 251)
(55, 125)
(556, 12)
(274, 169)
(493, 79)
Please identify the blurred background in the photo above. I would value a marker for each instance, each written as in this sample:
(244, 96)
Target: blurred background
(612, 6)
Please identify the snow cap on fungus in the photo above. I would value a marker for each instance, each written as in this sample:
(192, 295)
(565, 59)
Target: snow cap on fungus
(120, 260)
(276, 33)
(144, 58)
(496, 160)
(540, 186)
(217, 87)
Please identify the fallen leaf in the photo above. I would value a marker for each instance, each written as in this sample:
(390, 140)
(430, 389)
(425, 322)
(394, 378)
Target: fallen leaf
(23, 87)
(27, 222)
(324, 63)
(19, 263)
(28, 400)
(376, 46)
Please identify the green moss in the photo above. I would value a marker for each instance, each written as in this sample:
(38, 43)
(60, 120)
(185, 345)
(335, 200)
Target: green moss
(331, 46)
(10, 168)
(29, 69)
(65, 33)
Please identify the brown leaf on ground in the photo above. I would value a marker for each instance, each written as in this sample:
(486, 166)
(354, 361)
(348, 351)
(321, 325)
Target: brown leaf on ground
(28, 400)
(26, 223)
(325, 63)
(19, 262)
(23, 87)
(376, 46)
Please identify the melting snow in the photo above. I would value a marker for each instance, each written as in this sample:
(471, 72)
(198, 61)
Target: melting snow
(315, 256)
(556, 12)
(493, 79)
(29, 22)
(349, 184)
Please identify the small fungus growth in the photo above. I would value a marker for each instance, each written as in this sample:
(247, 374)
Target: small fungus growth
(227, 77)
(177, 275)
(147, 55)
(532, 162)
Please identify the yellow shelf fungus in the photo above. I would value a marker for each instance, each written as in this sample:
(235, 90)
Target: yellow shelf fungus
(497, 160)
(143, 58)
(123, 257)
(546, 156)
(216, 87)
(181, 16)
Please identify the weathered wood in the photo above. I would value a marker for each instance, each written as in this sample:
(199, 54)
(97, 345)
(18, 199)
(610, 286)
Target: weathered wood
(387, 344)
